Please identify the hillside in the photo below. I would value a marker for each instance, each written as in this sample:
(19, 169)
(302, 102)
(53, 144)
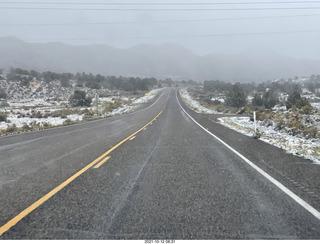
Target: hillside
(159, 61)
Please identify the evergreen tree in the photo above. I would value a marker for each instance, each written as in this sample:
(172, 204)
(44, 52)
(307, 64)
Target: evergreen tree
(296, 100)
(79, 99)
(269, 100)
(257, 100)
(236, 98)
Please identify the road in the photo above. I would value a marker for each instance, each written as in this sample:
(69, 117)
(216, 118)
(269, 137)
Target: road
(151, 174)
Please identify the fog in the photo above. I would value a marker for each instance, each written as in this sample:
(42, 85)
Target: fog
(285, 28)
(202, 31)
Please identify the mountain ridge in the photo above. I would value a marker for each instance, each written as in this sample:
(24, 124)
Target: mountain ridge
(147, 60)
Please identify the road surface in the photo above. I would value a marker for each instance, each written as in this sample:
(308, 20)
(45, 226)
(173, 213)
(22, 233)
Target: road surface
(152, 174)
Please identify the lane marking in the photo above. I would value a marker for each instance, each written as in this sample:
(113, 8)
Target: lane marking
(43, 199)
(293, 196)
(120, 143)
(102, 162)
(132, 138)
(35, 205)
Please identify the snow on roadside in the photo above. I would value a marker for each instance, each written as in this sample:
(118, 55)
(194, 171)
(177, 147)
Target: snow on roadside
(194, 104)
(146, 98)
(24, 107)
(16, 109)
(307, 148)
(54, 121)
(121, 110)
(134, 104)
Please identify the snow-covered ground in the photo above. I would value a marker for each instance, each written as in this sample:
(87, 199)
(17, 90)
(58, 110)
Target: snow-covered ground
(315, 105)
(54, 121)
(194, 104)
(134, 104)
(30, 103)
(18, 113)
(279, 108)
(307, 148)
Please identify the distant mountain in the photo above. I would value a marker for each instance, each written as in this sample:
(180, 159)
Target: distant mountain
(160, 61)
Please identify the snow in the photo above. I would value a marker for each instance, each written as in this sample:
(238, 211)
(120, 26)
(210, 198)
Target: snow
(315, 105)
(121, 110)
(307, 148)
(134, 104)
(196, 105)
(30, 103)
(17, 109)
(279, 108)
(54, 121)
(220, 99)
(250, 98)
(146, 98)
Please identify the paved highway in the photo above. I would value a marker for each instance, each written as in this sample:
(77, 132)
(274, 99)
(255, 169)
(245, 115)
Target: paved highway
(153, 174)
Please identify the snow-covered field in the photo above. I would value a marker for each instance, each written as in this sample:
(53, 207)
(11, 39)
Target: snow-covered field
(307, 148)
(54, 121)
(194, 104)
(18, 113)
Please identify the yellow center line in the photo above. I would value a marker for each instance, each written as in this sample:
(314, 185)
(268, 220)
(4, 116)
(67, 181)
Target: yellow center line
(102, 162)
(35, 205)
(124, 140)
(132, 138)
(43, 199)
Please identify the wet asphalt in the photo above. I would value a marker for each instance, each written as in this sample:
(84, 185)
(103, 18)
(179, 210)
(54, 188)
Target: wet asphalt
(172, 181)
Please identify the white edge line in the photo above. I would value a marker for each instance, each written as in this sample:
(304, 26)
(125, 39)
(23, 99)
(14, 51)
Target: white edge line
(296, 198)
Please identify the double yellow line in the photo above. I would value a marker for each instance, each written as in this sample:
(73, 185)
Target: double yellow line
(97, 162)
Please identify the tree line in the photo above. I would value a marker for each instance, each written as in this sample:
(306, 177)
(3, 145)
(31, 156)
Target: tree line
(286, 86)
(266, 94)
(84, 80)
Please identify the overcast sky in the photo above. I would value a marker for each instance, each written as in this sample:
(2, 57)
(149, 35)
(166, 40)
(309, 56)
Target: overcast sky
(291, 28)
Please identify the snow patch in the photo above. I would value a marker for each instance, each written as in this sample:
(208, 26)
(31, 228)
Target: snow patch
(307, 148)
(315, 105)
(219, 99)
(196, 105)
(134, 104)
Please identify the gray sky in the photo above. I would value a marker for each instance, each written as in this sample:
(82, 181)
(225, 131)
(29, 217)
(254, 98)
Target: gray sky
(193, 26)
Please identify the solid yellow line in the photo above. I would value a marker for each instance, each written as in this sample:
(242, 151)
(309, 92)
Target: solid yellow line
(35, 205)
(102, 162)
(28, 210)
